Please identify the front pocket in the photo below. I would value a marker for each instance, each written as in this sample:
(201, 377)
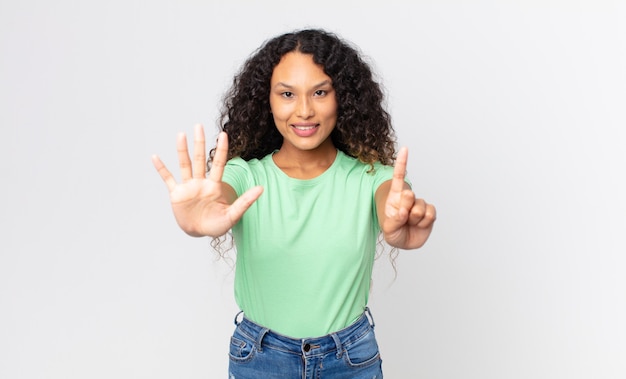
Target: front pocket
(240, 350)
(363, 352)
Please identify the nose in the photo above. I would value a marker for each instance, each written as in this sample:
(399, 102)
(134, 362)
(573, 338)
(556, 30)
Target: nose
(304, 108)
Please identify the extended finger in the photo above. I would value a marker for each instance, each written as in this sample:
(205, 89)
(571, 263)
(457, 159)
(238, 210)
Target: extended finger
(183, 157)
(399, 171)
(165, 174)
(199, 153)
(220, 158)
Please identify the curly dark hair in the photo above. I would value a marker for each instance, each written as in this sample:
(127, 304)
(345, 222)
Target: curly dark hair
(363, 128)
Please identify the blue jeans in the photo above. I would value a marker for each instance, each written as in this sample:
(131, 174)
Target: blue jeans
(257, 352)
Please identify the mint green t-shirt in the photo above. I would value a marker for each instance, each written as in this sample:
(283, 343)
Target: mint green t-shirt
(305, 248)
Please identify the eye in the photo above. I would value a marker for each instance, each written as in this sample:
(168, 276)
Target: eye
(287, 94)
(320, 92)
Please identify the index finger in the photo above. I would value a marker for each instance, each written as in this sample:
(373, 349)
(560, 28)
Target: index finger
(399, 171)
(220, 158)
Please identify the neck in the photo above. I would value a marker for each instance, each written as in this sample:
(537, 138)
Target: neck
(305, 164)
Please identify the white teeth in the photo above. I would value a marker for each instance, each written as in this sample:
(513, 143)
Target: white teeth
(304, 127)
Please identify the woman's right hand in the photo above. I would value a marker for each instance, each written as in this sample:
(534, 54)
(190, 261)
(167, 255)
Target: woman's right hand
(204, 206)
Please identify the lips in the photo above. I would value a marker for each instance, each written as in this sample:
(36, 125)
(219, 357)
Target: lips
(304, 130)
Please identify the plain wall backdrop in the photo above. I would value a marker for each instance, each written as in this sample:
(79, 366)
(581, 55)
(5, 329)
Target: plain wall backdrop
(514, 115)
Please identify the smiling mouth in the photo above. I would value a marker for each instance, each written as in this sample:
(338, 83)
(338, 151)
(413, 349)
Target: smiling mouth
(305, 127)
(305, 130)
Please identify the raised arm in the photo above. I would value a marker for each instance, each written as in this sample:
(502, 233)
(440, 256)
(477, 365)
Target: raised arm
(204, 206)
(406, 221)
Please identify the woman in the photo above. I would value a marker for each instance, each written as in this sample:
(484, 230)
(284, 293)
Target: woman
(302, 176)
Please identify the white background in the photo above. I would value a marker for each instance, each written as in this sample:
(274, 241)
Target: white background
(514, 114)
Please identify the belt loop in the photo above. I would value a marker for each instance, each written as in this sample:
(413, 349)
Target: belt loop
(237, 315)
(369, 313)
(338, 343)
(259, 340)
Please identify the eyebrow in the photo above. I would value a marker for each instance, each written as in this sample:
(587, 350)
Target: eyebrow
(321, 84)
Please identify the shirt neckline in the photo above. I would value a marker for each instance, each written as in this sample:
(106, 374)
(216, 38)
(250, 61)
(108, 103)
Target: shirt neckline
(314, 180)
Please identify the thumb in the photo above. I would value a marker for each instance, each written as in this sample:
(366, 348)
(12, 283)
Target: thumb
(243, 202)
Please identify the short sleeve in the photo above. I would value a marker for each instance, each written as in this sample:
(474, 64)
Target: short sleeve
(383, 173)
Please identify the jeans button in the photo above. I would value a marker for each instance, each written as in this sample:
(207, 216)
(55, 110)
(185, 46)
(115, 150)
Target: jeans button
(307, 348)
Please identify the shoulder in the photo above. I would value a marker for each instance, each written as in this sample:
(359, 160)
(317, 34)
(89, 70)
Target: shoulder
(373, 169)
(240, 174)
(374, 174)
(250, 165)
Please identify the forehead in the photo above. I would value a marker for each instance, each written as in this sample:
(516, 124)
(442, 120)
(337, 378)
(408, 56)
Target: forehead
(296, 68)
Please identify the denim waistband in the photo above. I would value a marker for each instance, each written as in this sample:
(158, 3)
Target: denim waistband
(309, 347)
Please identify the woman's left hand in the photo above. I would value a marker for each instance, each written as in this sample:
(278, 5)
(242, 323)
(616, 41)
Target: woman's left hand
(405, 220)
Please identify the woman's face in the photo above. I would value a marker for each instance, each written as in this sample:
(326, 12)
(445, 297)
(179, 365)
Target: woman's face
(303, 103)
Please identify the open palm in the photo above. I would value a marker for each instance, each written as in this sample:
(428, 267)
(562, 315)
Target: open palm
(204, 206)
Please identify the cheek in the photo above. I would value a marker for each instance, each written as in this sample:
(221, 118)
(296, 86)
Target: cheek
(330, 112)
(281, 113)
(331, 109)
(277, 121)
(278, 116)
